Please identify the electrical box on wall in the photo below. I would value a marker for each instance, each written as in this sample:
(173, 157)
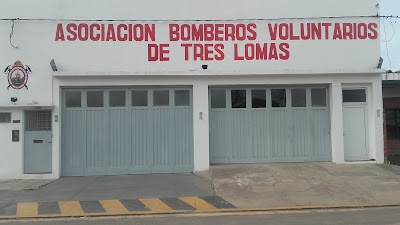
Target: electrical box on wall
(15, 135)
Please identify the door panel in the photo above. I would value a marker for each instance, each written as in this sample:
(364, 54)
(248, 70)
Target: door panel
(183, 138)
(219, 137)
(320, 134)
(269, 129)
(163, 149)
(259, 130)
(38, 142)
(139, 138)
(119, 140)
(354, 127)
(73, 141)
(280, 142)
(96, 142)
(301, 134)
(239, 135)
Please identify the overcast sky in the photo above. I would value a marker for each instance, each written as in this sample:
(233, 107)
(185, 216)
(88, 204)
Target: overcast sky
(390, 7)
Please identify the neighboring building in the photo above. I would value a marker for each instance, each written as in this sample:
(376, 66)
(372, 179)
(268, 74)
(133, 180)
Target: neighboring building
(156, 87)
(391, 107)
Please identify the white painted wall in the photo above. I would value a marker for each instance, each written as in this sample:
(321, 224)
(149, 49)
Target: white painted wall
(376, 129)
(12, 157)
(337, 140)
(201, 126)
(37, 45)
(331, 62)
(12, 160)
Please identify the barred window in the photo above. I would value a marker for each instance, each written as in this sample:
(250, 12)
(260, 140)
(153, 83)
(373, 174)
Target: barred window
(5, 117)
(393, 124)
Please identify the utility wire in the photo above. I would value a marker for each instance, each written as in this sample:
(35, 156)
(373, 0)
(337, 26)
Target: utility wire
(12, 33)
(192, 20)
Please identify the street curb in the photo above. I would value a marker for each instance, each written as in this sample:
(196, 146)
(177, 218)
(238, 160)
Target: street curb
(194, 212)
(294, 208)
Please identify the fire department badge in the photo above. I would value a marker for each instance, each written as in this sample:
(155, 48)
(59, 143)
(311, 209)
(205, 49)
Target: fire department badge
(17, 75)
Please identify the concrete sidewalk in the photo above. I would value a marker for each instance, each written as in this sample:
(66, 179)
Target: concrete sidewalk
(113, 187)
(23, 185)
(245, 187)
(310, 184)
(113, 195)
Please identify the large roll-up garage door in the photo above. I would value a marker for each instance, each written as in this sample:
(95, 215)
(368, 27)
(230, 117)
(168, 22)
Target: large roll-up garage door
(127, 131)
(264, 124)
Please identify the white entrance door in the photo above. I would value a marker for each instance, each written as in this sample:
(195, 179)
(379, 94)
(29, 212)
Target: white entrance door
(355, 125)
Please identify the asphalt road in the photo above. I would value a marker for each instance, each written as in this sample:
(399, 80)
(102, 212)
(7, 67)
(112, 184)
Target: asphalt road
(371, 216)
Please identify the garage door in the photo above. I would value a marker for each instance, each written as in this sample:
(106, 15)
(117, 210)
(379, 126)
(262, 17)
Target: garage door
(127, 131)
(260, 124)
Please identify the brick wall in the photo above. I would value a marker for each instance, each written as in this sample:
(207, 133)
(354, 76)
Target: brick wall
(390, 103)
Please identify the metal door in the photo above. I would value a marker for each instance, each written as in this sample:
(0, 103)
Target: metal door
(269, 124)
(355, 125)
(38, 142)
(128, 131)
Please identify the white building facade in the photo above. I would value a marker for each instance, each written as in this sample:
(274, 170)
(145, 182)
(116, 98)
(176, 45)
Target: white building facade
(149, 87)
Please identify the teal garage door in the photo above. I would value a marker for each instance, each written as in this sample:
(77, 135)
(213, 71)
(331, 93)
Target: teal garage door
(264, 124)
(127, 131)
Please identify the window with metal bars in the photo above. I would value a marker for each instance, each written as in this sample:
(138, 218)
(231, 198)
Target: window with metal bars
(38, 121)
(393, 124)
(5, 117)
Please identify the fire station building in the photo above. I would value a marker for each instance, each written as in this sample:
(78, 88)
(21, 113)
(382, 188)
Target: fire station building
(138, 87)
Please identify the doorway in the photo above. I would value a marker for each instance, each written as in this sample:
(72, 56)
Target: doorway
(137, 130)
(37, 142)
(355, 125)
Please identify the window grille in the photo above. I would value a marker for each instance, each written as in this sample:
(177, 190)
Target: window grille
(38, 121)
(5, 117)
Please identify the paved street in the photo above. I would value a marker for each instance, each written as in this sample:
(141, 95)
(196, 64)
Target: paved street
(371, 216)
